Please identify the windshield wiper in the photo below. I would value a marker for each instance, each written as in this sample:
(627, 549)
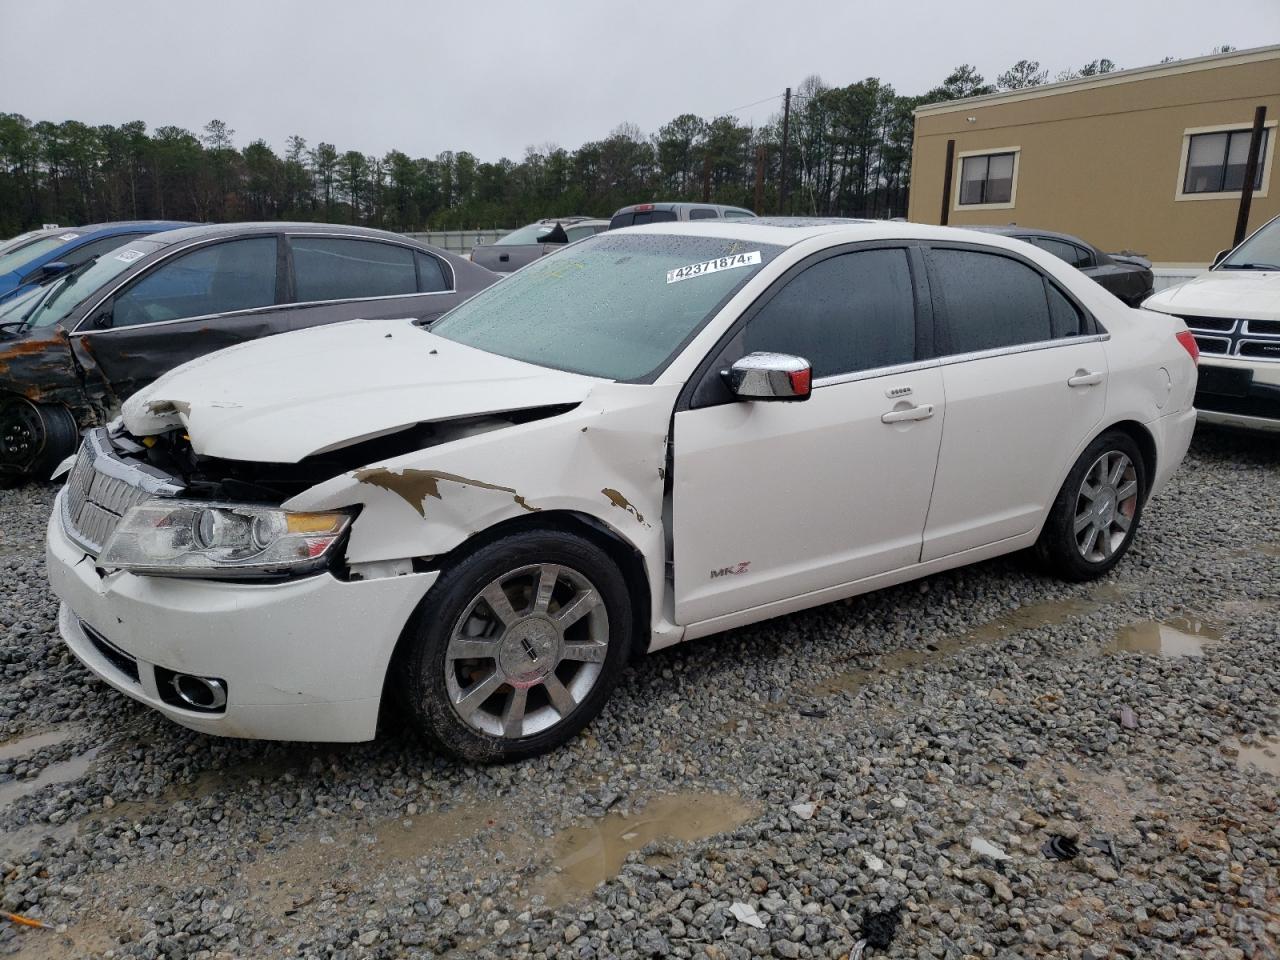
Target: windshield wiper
(1248, 266)
(64, 282)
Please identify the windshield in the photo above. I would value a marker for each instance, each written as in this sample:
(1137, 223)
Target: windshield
(15, 260)
(615, 306)
(533, 233)
(69, 292)
(1259, 252)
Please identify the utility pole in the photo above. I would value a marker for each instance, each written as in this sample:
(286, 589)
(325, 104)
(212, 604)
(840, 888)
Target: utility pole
(786, 140)
(1250, 171)
(760, 178)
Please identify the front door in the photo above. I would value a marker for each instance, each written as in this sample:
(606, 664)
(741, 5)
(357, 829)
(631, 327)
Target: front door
(772, 500)
(214, 296)
(1026, 379)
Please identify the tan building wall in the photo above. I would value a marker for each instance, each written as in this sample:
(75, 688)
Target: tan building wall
(1103, 158)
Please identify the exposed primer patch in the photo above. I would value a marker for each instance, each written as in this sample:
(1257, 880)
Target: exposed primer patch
(414, 486)
(622, 503)
(161, 407)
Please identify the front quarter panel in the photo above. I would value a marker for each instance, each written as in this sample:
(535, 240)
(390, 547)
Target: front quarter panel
(605, 459)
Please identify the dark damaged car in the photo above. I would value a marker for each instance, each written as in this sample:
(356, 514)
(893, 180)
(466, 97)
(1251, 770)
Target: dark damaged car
(70, 353)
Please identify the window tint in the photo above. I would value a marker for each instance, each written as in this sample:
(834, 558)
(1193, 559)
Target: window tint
(1066, 318)
(580, 233)
(703, 213)
(431, 275)
(855, 311)
(1216, 161)
(991, 301)
(219, 278)
(986, 179)
(338, 268)
(636, 219)
(1076, 256)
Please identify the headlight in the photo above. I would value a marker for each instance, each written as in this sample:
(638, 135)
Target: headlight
(191, 538)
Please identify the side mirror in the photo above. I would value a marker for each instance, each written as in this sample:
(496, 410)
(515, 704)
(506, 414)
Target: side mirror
(770, 376)
(1219, 257)
(104, 317)
(52, 269)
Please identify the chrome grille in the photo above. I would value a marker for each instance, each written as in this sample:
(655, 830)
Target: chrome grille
(103, 485)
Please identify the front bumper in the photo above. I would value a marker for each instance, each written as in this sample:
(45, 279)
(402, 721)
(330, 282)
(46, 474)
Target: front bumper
(302, 659)
(1237, 393)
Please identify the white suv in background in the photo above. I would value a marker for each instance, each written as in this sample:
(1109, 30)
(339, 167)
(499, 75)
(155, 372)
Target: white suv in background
(1234, 312)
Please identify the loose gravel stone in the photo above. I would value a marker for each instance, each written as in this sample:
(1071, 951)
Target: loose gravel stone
(827, 770)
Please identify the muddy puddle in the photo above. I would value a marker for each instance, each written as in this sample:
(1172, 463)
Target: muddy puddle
(1176, 637)
(585, 856)
(1265, 756)
(1031, 616)
(31, 742)
(63, 771)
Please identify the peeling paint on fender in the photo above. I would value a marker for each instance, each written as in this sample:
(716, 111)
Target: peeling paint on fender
(622, 503)
(414, 486)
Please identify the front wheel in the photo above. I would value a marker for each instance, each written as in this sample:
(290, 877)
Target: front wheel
(34, 438)
(1095, 516)
(517, 647)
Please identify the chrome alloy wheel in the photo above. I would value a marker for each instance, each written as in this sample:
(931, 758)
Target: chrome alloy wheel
(1105, 506)
(527, 650)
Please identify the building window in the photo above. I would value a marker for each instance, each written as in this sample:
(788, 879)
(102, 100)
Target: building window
(1216, 161)
(1214, 158)
(987, 179)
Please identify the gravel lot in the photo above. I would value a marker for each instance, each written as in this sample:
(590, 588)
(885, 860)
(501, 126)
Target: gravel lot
(830, 771)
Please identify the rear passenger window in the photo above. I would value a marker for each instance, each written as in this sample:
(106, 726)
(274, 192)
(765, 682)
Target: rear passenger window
(1067, 321)
(738, 214)
(431, 278)
(851, 312)
(991, 301)
(338, 268)
(1068, 252)
(218, 278)
(580, 233)
(702, 213)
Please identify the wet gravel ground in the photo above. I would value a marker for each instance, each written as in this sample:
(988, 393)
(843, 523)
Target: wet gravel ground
(784, 790)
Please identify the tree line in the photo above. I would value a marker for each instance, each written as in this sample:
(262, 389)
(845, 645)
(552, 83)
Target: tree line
(848, 154)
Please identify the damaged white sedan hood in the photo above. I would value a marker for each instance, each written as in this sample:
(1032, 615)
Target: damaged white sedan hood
(290, 396)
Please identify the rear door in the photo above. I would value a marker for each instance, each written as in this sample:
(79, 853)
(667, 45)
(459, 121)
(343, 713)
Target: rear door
(334, 278)
(199, 300)
(1025, 374)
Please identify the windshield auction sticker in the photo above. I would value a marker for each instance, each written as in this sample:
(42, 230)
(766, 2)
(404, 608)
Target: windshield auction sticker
(713, 266)
(128, 256)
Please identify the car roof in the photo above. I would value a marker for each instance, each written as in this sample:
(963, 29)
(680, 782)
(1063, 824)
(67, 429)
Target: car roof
(789, 231)
(678, 205)
(127, 226)
(204, 230)
(1013, 230)
(570, 221)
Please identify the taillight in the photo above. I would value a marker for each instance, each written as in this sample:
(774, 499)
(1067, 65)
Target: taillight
(643, 207)
(1189, 344)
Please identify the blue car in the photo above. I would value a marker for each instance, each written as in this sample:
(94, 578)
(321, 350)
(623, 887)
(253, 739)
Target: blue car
(49, 254)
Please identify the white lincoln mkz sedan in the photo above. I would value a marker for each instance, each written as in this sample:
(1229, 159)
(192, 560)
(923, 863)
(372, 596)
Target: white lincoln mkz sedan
(652, 435)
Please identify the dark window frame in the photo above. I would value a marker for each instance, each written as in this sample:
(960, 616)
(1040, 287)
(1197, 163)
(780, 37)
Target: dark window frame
(706, 388)
(1228, 136)
(986, 178)
(1089, 325)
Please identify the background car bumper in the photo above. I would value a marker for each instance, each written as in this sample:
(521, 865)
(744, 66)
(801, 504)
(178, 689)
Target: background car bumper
(302, 659)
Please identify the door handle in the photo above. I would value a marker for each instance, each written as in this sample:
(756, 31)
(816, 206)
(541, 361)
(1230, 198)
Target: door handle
(923, 412)
(1085, 378)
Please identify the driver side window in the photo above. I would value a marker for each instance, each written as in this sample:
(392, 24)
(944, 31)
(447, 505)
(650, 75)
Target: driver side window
(219, 278)
(851, 312)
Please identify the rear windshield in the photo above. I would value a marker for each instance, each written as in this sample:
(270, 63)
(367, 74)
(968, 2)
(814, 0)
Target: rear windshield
(533, 233)
(615, 306)
(634, 219)
(15, 260)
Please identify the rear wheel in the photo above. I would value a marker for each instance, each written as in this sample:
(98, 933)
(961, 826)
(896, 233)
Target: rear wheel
(1095, 516)
(517, 647)
(34, 438)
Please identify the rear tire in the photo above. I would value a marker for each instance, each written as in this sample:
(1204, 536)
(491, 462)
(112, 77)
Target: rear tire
(1095, 516)
(516, 648)
(34, 438)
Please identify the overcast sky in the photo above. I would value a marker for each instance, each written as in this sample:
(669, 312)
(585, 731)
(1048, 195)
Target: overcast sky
(494, 77)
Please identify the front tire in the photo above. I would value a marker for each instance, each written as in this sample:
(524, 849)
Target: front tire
(34, 438)
(1095, 516)
(516, 648)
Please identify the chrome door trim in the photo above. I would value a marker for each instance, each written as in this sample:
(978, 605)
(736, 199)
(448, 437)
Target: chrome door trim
(957, 358)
